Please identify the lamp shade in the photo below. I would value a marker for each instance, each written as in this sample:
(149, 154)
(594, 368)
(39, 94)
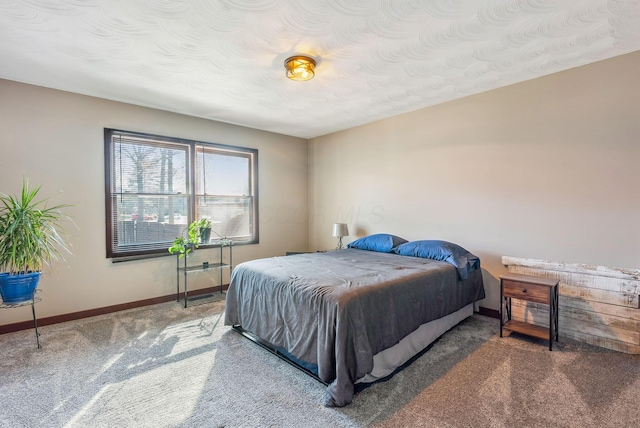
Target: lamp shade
(340, 229)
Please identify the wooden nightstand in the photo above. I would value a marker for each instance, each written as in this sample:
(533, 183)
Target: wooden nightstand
(532, 289)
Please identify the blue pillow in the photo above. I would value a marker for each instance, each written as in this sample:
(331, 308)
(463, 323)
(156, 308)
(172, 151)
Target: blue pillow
(444, 251)
(380, 242)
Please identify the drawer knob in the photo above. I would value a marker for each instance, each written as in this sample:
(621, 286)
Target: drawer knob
(524, 290)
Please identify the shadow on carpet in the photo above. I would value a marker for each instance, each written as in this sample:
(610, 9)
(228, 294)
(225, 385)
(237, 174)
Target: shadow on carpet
(166, 366)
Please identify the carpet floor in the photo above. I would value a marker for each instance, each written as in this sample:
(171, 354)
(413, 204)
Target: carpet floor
(166, 366)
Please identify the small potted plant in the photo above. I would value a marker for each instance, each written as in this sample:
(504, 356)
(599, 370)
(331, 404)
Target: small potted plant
(204, 227)
(184, 245)
(31, 237)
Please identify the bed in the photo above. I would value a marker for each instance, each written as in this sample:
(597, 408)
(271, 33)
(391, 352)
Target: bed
(355, 315)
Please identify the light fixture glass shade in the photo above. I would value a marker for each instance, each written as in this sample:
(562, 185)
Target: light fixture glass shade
(300, 67)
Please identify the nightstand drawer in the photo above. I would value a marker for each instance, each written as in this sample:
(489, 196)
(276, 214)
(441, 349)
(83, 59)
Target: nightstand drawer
(526, 291)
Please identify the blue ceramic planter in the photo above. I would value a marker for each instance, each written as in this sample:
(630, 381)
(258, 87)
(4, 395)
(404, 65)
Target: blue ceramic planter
(18, 288)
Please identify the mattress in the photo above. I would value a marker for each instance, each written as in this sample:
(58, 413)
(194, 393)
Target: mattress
(389, 360)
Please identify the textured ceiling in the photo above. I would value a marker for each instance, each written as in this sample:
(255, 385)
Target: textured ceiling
(223, 60)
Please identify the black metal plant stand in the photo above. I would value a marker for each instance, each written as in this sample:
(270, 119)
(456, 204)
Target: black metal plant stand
(185, 269)
(31, 302)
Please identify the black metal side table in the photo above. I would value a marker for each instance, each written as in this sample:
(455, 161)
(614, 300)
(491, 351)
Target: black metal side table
(31, 302)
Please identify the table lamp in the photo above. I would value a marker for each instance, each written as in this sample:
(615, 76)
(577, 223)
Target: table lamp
(340, 230)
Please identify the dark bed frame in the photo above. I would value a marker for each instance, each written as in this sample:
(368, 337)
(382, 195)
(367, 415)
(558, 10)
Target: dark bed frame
(358, 387)
(274, 350)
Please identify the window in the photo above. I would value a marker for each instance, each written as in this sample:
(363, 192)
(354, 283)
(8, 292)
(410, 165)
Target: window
(156, 186)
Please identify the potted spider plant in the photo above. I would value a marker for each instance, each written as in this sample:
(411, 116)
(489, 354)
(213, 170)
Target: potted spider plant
(31, 237)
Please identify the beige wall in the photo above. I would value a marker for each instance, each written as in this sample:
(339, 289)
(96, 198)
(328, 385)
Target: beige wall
(56, 138)
(548, 169)
(543, 169)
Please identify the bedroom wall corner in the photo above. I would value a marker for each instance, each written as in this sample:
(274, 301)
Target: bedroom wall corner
(543, 169)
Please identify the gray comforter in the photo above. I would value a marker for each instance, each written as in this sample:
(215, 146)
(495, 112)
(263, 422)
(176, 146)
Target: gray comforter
(338, 309)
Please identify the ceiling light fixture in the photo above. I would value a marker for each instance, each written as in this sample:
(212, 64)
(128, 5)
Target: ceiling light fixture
(300, 67)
